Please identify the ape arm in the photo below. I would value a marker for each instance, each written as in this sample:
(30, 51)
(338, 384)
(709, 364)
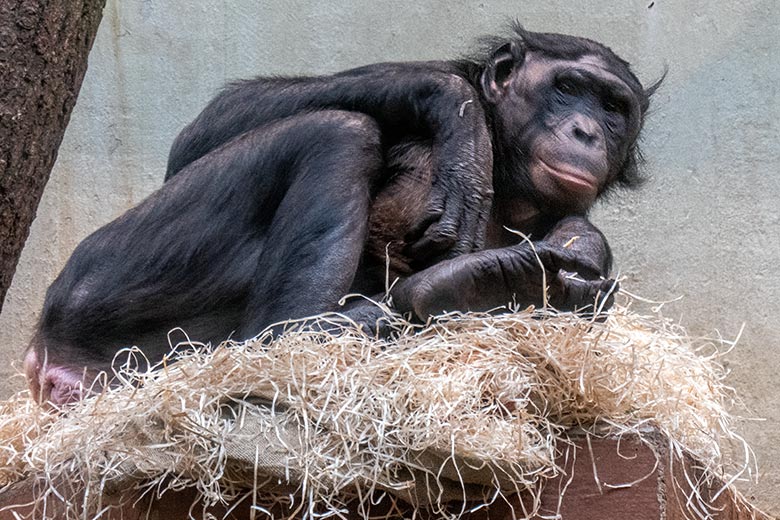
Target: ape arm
(403, 99)
(517, 273)
(489, 279)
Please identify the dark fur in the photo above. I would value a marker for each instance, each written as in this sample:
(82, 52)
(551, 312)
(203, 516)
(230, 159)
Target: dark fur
(282, 195)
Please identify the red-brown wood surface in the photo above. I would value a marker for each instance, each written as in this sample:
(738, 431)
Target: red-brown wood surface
(604, 479)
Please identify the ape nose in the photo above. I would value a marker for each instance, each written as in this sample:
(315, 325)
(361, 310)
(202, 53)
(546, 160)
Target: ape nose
(585, 130)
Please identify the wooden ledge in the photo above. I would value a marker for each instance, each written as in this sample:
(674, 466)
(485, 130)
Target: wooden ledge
(605, 479)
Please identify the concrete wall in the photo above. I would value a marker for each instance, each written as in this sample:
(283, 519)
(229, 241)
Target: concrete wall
(707, 228)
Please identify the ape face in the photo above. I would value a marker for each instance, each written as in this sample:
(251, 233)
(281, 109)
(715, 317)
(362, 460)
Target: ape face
(567, 128)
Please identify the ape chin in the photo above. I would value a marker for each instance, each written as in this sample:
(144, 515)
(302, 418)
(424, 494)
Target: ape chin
(285, 194)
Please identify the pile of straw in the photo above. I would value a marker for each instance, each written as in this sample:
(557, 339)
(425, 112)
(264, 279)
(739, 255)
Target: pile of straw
(471, 406)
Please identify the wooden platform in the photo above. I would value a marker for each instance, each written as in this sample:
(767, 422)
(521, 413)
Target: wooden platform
(606, 479)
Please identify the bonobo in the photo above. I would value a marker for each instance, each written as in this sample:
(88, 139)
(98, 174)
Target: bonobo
(285, 194)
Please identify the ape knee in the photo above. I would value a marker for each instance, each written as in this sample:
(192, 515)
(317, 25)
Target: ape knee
(332, 141)
(350, 130)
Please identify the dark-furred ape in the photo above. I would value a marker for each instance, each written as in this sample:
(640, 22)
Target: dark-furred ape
(285, 194)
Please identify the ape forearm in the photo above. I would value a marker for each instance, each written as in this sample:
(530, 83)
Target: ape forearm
(486, 280)
(404, 99)
(401, 97)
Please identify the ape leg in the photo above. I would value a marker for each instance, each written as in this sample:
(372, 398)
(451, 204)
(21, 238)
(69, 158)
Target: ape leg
(315, 240)
(268, 227)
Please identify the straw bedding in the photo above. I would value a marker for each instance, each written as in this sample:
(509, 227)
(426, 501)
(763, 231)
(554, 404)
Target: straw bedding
(473, 407)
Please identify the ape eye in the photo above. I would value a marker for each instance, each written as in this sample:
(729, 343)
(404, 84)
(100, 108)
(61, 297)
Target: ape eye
(566, 86)
(614, 105)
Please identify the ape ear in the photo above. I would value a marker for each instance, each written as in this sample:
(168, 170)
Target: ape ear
(498, 71)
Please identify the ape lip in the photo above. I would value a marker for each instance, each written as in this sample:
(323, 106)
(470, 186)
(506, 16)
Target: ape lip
(573, 177)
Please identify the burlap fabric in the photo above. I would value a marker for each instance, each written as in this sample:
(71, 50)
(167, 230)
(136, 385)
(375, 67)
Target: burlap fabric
(266, 447)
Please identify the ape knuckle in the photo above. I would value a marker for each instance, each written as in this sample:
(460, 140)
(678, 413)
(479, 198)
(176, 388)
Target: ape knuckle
(424, 297)
(435, 209)
(483, 268)
(447, 232)
(509, 272)
(540, 249)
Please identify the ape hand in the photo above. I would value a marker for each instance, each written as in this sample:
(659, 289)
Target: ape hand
(489, 279)
(454, 220)
(570, 292)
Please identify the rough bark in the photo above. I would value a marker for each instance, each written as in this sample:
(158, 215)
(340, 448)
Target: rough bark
(43, 58)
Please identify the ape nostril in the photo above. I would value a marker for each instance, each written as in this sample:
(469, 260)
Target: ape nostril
(584, 135)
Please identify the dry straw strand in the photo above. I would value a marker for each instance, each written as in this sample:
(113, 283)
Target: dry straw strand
(473, 405)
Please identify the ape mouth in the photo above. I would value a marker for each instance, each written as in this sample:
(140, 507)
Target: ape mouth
(572, 178)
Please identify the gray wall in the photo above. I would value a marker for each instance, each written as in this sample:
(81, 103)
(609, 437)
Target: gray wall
(706, 228)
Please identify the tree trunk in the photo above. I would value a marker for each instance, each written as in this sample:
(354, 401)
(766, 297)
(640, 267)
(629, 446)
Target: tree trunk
(43, 58)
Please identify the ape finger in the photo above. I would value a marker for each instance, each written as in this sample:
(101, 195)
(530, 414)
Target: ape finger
(606, 296)
(440, 239)
(436, 242)
(473, 225)
(433, 214)
(556, 259)
(586, 297)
